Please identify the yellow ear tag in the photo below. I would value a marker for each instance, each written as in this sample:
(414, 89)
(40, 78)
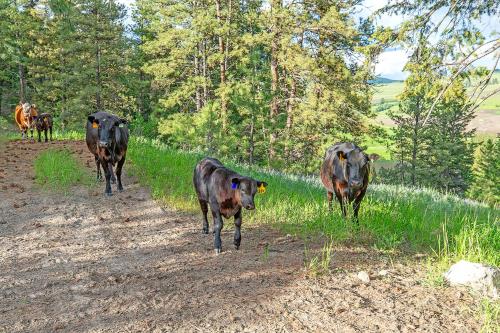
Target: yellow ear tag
(261, 189)
(341, 158)
(94, 125)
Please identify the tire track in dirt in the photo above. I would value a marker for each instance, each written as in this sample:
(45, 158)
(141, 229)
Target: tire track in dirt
(87, 263)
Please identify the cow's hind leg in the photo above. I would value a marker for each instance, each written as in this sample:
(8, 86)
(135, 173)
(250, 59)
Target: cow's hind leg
(119, 173)
(50, 130)
(204, 211)
(218, 224)
(237, 229)
(329, 196)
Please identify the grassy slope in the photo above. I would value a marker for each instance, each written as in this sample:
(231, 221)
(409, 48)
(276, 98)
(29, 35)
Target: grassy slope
(392, 218)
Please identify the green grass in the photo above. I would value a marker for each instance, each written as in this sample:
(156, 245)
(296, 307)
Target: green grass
(59, 170)
(396, 219)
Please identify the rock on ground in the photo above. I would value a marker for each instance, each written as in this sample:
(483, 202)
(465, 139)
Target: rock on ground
(481, 278)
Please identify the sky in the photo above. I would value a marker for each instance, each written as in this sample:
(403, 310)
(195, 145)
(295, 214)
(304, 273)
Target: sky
(391, 61)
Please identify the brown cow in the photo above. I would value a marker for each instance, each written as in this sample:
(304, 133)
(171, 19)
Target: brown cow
(345, 172)
(25, 116)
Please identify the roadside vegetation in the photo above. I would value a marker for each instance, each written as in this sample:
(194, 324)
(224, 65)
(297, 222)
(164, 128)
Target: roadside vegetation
(392, 218)
(58, 170)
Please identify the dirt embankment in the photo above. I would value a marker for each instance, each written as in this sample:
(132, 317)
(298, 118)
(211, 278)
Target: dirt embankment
(86, 263)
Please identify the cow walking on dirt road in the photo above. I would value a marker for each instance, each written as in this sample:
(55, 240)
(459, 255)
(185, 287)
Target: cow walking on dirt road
(107, 138)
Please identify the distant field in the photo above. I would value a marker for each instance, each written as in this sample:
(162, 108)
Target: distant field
(488, 114)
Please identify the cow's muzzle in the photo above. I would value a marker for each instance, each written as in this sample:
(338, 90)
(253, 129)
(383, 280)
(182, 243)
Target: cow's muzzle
(250, 207)
(103, 144)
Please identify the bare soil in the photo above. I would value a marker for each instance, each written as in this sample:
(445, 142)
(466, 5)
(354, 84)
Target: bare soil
(87, 263)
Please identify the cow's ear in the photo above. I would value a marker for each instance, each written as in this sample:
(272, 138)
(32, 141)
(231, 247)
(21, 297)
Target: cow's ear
(235, 182)
(261, 186)
(374, 157)
(341, 155)
(123, 121)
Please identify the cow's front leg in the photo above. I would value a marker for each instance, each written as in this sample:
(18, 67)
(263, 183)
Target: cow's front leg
(39, 135)
(31, 131)
(50, 130)
(119, 173)
(107, 174)
(45, 132)
(357, 205)
(98, 165)
(218, 224)
(237, 230)
(113, 178)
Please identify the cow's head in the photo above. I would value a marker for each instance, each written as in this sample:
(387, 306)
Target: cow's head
(106, 128)
(26, 109)
(246, 188)
(356, 167)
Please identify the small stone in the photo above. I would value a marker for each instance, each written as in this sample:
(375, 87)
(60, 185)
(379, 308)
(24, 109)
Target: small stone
(364, 277)
(383, 272)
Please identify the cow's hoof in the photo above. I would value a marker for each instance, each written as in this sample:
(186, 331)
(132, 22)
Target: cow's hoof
(218, 251)
(113, 181)
(204, 231)
(108, 194)
(120, 189)
(237, 247)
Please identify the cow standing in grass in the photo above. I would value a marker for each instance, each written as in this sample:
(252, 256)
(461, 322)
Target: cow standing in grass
(345, 173)
(44, 123)
(107, 138)
(25, 115)
(226, 192)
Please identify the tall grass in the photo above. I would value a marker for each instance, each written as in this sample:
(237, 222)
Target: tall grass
(59, 170)
(392, 218)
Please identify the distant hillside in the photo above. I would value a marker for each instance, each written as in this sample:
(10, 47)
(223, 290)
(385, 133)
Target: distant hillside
(384, 80)
(487, 121)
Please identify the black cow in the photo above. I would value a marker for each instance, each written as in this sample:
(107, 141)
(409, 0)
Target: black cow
(226, 192)
(44, 123)
(345, 172)
(107, 139)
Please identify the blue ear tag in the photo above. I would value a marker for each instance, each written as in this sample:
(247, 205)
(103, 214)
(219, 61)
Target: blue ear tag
(234, 186)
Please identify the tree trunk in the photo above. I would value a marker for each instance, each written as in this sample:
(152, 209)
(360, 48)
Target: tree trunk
(22, 83)
(415, 146)
(204, 72)
(197, 74)
(98, 77)
(222, 52)
(289, 116)
(273, 113)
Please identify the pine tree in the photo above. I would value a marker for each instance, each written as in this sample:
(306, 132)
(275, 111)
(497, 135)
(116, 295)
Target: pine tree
(486, 173)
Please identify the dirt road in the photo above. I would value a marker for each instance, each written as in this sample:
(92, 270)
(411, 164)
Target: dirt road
(86, 263)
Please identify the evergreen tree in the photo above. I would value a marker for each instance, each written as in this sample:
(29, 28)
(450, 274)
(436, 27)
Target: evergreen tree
(486, 173)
